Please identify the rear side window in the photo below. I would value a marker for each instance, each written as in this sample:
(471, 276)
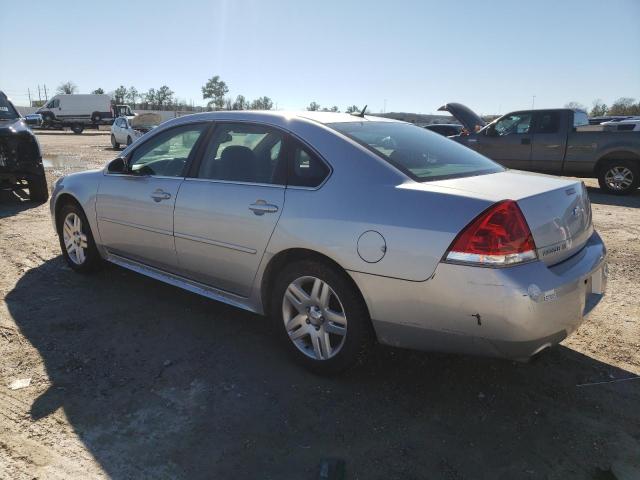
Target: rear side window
(417, 152)
(580, 118)
(305, 168)
(548, 122)
(243, 152)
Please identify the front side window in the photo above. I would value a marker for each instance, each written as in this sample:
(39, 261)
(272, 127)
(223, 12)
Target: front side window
(417, 152)
(514, 123)
(167, 153)
(548, 122)
(242, 152)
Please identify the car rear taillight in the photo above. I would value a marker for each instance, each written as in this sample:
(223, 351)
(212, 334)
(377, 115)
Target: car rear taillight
(498, 236)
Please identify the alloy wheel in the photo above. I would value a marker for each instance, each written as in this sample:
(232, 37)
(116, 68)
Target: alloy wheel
(314, 318)
(619, 178)
(75, 241)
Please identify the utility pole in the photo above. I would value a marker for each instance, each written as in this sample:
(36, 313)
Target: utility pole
(384, 109)
(39, 97)
(45, 94)
(29, 93)
(533, 102)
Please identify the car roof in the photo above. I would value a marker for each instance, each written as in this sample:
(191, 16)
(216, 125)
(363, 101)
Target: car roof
(262, 115)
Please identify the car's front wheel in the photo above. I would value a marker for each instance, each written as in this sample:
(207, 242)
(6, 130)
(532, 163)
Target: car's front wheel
(76, 240)
(114, 144)
(38, 188)
(320, 317)
(619, 177)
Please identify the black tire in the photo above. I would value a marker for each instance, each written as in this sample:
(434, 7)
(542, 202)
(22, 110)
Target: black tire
(92, 260)
(77, 128)
(129, 141)
(96, 117)
(47, 119)
(38, 188)
(114, 144)
(630, 170)
(359, 332)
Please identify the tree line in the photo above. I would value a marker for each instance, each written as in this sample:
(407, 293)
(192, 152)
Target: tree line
(215, 91)
(622, 106)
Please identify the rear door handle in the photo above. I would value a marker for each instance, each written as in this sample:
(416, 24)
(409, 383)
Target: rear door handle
(159, 195)
(525, 141)
(261, 207)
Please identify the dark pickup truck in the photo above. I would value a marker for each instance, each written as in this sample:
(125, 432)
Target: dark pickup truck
(556, 141)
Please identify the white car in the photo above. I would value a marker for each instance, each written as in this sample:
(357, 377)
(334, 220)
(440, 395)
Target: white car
(631, 124)
(126, 130)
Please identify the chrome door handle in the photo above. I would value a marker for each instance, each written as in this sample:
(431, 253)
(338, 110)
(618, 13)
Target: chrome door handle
(261, 207)
(159, 195)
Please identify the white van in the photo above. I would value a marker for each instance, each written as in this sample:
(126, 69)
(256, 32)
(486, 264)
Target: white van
(77, 111)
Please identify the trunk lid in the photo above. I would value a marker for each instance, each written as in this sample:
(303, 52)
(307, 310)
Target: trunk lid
(467, 117)
(557, 210)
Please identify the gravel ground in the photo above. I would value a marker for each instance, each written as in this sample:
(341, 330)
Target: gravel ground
(131, 378)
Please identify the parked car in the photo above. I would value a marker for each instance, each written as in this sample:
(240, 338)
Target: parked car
(126, 130)
(556, 141)
(20, 158)
(607, 118)
(79, 111)
(344, 230)
(631, 124)
(445, 129)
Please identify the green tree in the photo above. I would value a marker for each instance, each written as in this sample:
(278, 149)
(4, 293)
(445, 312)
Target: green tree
(150, 97)
(119, 94)
(214, 91)
(599, 109)
(352, 109)
(262, 103)
(313, 107)
(164, 96)
(98, 91)
(67, 87)
(624, 106)
(132, 95)
(240, 103)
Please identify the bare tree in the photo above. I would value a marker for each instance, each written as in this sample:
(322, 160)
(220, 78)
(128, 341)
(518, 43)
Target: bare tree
(624, 106)
(599, 108)
(576, 105)
(132, 95)
(313, 107)
(240, 103)
(352, 109)
(98, 91)
(119, 94)
(67, 87)
(262, 103)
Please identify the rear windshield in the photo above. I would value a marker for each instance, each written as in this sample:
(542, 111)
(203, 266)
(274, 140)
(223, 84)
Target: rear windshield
(419, 153)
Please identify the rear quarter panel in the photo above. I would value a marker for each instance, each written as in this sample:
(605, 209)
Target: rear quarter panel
(584, 149)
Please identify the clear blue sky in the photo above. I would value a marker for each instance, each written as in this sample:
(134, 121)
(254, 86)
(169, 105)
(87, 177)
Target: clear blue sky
(492, 55)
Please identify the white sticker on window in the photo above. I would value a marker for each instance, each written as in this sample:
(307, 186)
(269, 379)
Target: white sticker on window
(4, 109)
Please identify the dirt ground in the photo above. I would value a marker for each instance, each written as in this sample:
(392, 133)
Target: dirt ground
(131, 378)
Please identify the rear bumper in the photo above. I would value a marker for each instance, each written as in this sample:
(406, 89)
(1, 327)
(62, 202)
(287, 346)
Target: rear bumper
(512, 312)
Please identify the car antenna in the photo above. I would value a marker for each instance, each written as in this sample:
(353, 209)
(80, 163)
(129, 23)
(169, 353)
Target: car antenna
(361, 113)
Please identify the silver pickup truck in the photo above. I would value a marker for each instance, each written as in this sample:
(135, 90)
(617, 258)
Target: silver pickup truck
(557, 141)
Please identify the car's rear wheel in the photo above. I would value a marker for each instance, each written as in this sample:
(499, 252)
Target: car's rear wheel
(76, 240)
(77, 128)
(129, 141)
(38, 188)
(114, 144)
(619, 177)
(320, 317)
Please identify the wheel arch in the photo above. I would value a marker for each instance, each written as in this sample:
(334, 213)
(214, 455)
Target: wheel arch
(62, 200)
(616, 155)
(288, 256)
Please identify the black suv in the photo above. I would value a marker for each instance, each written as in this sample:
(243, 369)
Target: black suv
(20, 158)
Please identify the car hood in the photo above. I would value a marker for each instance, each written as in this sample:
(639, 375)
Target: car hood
(467, 117)
(12, 126)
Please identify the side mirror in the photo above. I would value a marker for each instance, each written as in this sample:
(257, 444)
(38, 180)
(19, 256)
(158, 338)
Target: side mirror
(34, 119)
(119, 165)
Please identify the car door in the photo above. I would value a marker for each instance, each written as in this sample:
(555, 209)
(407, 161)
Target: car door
(507, 141)
(135, 207)
(549, 140)
(116, 129)
(228, 208)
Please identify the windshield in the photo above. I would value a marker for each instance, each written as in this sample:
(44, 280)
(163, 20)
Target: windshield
(7, 112)
(419, 153)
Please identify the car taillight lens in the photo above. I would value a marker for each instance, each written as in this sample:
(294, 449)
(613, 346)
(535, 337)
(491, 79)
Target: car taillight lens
(498, 236)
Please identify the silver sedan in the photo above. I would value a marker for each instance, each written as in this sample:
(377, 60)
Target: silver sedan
(344, 230)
